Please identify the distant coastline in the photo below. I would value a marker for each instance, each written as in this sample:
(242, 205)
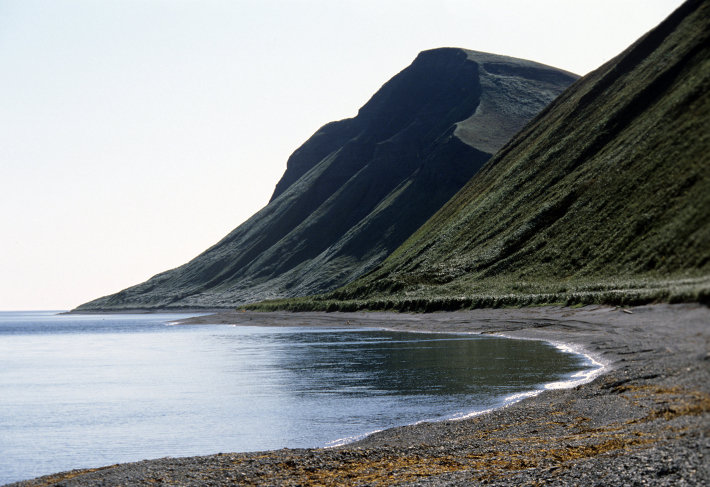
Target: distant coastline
(145, 311)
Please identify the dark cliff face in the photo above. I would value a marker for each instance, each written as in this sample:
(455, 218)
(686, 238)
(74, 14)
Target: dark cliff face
(359, 187)
(607, 189)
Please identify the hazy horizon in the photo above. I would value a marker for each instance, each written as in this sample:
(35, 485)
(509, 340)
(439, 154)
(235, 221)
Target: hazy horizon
(136, 134)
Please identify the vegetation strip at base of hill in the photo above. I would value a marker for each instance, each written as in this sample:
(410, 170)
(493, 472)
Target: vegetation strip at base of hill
(613, 293)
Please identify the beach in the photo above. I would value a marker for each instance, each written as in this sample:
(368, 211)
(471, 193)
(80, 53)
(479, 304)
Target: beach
(645, 420)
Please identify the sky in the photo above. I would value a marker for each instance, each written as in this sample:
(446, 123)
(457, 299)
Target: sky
(134, 134)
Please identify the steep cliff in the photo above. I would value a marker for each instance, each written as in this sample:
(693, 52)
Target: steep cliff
(359, 187)
(604, 198)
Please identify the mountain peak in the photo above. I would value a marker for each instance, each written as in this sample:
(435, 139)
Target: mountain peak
(359, 187)
(603, 198)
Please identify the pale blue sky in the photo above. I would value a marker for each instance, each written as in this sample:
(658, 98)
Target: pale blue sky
(134, 134)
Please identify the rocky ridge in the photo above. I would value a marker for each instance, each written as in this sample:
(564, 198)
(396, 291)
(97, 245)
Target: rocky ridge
(603, 198)
(359, 187)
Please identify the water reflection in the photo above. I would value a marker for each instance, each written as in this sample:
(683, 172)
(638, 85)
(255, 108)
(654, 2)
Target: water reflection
(85, 391)
(366, 362)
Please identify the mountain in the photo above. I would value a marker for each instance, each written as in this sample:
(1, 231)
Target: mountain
(604, 198)
(356, 189)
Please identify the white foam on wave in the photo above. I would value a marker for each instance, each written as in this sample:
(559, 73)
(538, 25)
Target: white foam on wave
(349, 439)
(597, 367)
(471, 414)
(595, 364)
(507, 401)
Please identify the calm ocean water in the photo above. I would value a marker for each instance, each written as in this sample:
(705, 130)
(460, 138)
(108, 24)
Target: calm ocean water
(84, 391)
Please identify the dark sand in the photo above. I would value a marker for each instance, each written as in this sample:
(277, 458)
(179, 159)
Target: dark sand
(645, 421)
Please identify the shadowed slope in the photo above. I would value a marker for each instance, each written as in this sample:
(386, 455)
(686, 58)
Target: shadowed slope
(359, 187)
(605, 197)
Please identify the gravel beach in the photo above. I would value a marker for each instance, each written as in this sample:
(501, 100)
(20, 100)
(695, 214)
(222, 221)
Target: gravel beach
(644, 421)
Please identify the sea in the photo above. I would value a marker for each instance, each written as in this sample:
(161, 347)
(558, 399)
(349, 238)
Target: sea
(82, 391)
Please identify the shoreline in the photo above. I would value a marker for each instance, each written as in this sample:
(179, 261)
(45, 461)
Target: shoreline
(599, 368)
(645, 418)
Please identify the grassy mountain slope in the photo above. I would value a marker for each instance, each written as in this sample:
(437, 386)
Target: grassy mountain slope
(359, 187)
(604, 198)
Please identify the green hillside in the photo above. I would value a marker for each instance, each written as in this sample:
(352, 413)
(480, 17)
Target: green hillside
(359, 187)
(603, 198)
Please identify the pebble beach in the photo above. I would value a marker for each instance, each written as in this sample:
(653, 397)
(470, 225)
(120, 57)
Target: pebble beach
(644, 420)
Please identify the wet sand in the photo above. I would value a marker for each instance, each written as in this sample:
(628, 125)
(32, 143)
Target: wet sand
(645, 421)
